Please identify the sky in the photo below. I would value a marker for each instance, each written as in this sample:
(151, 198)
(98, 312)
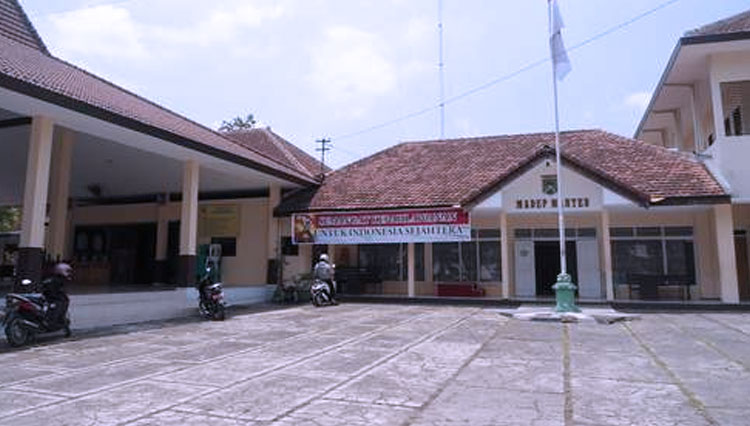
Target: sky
(339, 69)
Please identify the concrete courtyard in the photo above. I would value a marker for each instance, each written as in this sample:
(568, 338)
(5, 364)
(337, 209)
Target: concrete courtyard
(359, 364)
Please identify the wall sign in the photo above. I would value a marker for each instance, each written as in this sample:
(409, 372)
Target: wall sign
(547, 203)
(402, 226)
(219, 220)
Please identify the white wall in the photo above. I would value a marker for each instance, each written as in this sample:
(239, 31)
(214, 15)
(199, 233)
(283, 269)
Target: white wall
(730, 153)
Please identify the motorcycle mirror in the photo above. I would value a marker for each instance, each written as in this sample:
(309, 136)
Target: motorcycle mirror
(26, 282)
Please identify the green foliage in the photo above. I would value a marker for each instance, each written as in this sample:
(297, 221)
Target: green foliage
(238, 123)
(10, 219)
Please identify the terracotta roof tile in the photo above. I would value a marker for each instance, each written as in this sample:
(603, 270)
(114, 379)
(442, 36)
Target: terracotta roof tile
(267, 143)
(461, 171)
(33, 70)
(15, 25)
(733, 24)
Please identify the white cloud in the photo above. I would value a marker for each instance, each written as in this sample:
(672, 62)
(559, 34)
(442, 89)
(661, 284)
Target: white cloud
(420, 31)
(106, 30)
(112, 31)
(638, 101)
(351, 68)
(221, 26)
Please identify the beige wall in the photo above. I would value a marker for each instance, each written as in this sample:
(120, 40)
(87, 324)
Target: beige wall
(248, 267)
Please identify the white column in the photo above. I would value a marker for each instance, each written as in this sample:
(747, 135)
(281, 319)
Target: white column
(274, 197)
(725, 250)
(189, 211)
(504, 260)
(37, 183)
(59, 192)
(607, 257)
(411, 270)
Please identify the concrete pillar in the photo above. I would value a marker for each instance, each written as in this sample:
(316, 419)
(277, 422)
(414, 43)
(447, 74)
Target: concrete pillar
(273, 254)
(504, 260)
(59, 192)
(30, 256)
(607, 257)
(724, 226)
(411, 270)
(189, 222)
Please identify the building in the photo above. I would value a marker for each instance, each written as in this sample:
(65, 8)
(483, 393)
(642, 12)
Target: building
(642, 221)
(126, 189)
(662, 216)
(132, 192)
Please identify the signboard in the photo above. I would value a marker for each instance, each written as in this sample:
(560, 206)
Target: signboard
(401, 226)
(219, 220)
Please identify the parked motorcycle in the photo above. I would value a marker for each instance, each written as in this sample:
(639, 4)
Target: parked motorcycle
(211, 302)
(29, 314)
(320, 293)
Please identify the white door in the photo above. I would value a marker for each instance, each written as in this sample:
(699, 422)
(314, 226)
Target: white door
(589, 274)
(525, 273)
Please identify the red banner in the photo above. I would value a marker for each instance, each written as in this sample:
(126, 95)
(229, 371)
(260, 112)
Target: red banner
(398, 226)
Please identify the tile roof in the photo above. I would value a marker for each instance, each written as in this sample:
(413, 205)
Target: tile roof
(462, 171)
(273, 146)
(35, 73)
(734, 24)
(15, 25)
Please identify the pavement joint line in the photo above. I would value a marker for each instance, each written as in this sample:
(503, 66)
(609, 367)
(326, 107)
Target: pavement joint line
(693, 400)
(290, 363)
(710, 345)
(474, 356)
(567, 384)
(147, 356)
(368, 368)
(369, 404)
(725, 324)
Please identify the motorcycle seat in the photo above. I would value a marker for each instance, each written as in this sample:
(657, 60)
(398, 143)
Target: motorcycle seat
(31, 297)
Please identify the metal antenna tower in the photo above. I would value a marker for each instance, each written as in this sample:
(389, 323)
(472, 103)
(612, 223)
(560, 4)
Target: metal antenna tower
(440, 69)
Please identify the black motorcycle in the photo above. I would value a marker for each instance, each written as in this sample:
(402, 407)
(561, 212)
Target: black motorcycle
(211, 300)
(29, 314)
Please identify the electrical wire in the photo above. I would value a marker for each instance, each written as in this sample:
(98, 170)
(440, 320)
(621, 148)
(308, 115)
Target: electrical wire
(506, 77)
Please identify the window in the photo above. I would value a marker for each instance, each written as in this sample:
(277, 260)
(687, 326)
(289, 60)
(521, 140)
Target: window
(652, 251)
(390, 261)
(288, 248)
(228, 245)
(470, 261)
(735, 97)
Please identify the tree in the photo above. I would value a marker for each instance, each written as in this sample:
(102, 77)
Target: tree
(238, 123)
(10, 218)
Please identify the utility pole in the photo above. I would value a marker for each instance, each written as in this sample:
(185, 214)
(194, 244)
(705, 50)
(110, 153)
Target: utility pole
(323, 149)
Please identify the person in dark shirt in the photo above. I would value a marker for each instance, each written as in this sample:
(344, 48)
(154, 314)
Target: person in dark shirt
(52, 289)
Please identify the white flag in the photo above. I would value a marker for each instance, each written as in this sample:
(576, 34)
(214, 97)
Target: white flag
(559, 56)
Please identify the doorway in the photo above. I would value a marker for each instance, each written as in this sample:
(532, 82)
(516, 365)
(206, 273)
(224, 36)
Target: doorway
(547, 264)
(743, 269)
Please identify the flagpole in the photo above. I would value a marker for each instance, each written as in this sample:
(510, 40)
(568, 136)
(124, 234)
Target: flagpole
(560, 212)
(564, 287)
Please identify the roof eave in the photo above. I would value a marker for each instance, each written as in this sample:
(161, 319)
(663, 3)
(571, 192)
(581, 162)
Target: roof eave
(695, 200)
(685, 41)
(659, 87)
(637, 198)
(82, 107)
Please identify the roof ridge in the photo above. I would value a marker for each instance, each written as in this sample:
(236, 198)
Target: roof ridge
(31, 28)
(507, 135)
(706, 28)
(255, 150)
(277, 140)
